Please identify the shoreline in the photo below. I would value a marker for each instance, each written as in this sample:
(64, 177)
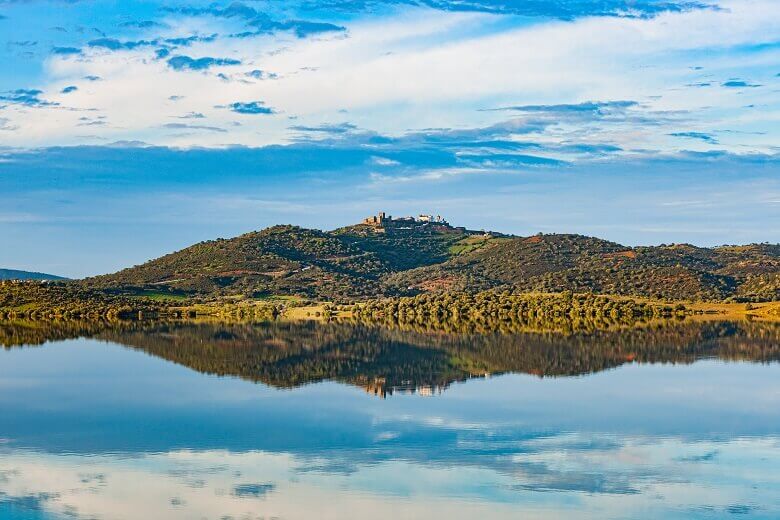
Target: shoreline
(54, 302)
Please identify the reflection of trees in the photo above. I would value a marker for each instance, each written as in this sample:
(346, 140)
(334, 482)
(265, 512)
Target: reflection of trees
(383, 360)
(492, 311)
(16, 333)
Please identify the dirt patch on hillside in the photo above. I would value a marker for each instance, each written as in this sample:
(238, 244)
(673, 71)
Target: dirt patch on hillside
(621, 254)
(438, 284)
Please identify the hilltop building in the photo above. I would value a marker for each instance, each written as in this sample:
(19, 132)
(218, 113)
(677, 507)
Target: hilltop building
(382, 221)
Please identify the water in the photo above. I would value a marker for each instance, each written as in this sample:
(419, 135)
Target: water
(335, 422)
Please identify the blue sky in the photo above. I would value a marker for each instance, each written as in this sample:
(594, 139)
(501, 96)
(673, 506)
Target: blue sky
(129, 129)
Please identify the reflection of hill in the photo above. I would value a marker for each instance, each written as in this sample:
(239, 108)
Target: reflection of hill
(292, 354)
(383, 360)
(386, 360)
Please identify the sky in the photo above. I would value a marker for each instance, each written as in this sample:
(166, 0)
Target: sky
(131, 129)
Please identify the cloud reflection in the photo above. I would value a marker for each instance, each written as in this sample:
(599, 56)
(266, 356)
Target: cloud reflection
(571, 475)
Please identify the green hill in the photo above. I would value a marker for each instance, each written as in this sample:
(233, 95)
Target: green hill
(368, 261)
(12, 274)
(403, 250)
(284, 260)
(554, 263)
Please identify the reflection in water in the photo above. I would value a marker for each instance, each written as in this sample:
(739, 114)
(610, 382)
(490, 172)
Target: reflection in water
(559, 477)
(387, 360)
(98, 429)
(384, 361)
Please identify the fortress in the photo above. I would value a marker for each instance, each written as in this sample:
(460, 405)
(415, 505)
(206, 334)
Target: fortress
(381, 222)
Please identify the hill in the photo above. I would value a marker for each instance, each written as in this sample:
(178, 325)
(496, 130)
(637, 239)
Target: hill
(12, 274)
(554, 263)
(405, 249)
(284, 260)
(384, 257)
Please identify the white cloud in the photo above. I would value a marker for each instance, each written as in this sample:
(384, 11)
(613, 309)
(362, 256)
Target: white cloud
(422, 68)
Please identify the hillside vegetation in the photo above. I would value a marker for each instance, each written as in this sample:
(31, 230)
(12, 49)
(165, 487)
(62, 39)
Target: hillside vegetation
(282, 260)
(555, 263)
(357, 262)
(287, 260)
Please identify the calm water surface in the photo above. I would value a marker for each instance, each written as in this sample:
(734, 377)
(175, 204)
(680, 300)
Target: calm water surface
(336, 422)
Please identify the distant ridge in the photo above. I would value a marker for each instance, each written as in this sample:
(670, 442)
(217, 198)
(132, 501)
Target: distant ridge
(12, 274)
